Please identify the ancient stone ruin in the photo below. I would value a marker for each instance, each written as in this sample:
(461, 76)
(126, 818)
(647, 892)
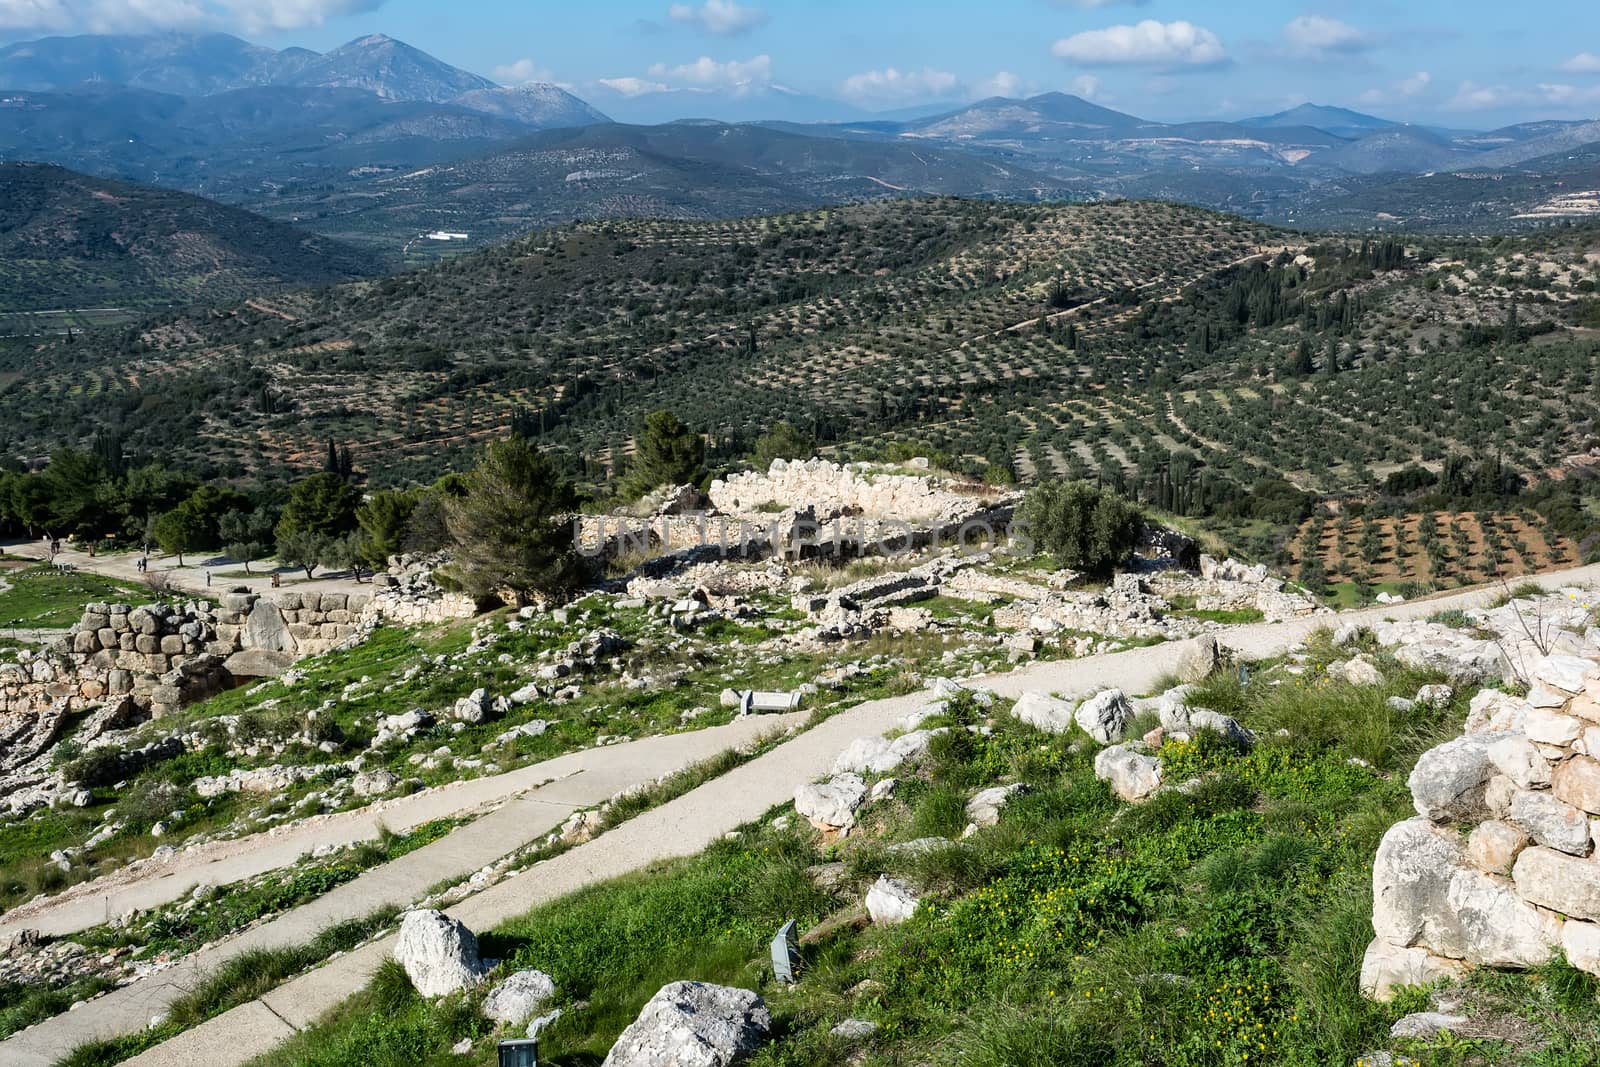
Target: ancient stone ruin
(1499, 866)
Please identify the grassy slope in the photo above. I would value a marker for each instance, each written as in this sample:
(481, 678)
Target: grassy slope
(40, 598)
(1220, 927)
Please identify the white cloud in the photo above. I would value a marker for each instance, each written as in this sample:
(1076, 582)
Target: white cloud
(1086, 86)
(1415, 84)
(721, 17)
(1569, 96)
(1582, 63)
(521, 72)
(1316, 36)
(1471, 96)
(897, 86)
(1004, 83)
(633, 86)
(1406, 88)
(739, 78)
(134, 16)
(101, 16)
(1148, 44)
(258, 15)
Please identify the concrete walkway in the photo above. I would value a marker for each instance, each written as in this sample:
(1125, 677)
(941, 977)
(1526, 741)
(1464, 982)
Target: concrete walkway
(689, 824)
(573, 782)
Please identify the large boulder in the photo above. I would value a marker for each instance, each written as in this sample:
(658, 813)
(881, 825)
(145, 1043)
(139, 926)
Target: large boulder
(1550, 822)
(1516, 758)
(258, 663)
(517, 999)
(1387, 968)
(1044, 712)
(891, 901)
(1105, 716)
(266, 629)
(1425, 895)
(1448, 782)
(831, 806)
(1559, 882)
(694, 1024)
(1132, 775)
(440, 955)
(1198, 658)
(879, 755)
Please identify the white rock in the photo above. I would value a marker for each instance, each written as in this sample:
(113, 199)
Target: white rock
(1563, 672)
(984, 809)
(1551, 823)
(516, 1000)
(1044, 712)
(1425, 896)
(890, 901)
(374, 783)
(1434, 696)
(1387, 968)
(1515, 757)
(832, 805)
(439, 954)
(1105, 716)
(1133, 776)
(1581, 942)
(694, 1024)
(1494, 710)
(1426, 1024)
(854, 1029)
(1560, 882)
(1549, 727)
(1448, 781)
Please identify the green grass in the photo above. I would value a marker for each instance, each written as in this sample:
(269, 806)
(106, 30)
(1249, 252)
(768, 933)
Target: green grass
(39, 598)
(240, 979)
(1222, 927)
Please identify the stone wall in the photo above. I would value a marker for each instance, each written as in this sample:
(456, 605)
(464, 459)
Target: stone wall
(858, 489)
(1499, 867)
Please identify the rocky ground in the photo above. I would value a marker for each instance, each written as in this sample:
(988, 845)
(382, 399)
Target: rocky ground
(680, 645)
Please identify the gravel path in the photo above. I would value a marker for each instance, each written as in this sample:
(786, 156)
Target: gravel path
(687, 825)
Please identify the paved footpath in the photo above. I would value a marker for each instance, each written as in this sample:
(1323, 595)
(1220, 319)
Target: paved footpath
(541, 799)
(690, 823)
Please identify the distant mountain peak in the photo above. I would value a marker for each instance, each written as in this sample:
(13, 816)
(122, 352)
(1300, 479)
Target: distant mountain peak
(1340, 121)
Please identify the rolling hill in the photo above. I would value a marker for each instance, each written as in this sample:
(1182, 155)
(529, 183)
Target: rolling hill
(71, 241)
(681, 170)
(1095, 340)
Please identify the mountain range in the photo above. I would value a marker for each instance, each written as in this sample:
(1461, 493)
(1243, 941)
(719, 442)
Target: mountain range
(378, 142)
(202, 65)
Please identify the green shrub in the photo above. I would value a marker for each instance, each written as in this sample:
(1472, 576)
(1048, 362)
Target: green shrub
(1081, 525)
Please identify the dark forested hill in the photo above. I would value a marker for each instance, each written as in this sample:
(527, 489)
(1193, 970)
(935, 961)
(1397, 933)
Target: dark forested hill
(68, 240)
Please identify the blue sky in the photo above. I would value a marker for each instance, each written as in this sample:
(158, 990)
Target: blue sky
(1466, 63)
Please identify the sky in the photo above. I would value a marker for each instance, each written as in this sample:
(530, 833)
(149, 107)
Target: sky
(1455, 63)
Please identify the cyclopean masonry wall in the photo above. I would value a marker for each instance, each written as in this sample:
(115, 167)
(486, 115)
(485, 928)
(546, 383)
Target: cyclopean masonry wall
(1499, 868)
(165, 656)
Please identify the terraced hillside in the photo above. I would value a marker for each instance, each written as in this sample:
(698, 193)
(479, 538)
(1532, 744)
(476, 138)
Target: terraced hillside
(1182, 355)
